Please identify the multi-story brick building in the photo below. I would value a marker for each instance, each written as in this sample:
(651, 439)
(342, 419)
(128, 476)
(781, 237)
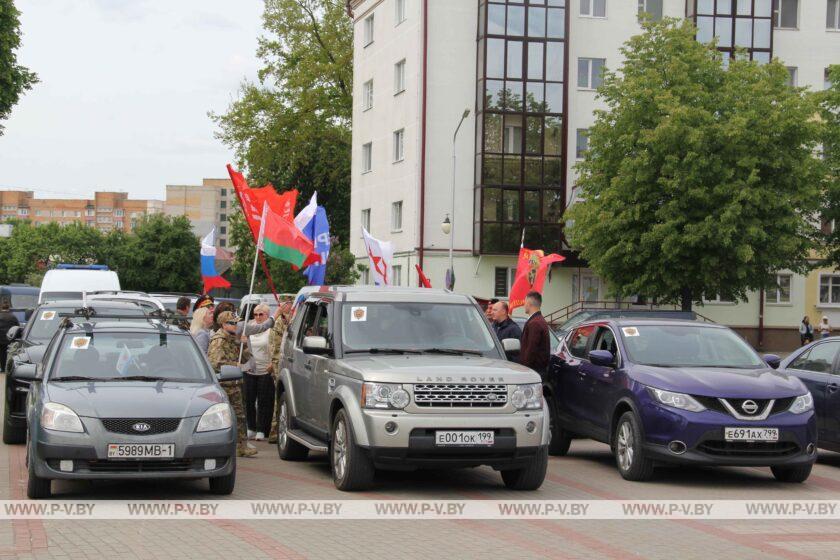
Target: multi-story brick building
(206, 205)
(106, 211)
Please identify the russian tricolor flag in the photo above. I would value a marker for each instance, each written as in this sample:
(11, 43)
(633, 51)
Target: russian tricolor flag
(211, 278)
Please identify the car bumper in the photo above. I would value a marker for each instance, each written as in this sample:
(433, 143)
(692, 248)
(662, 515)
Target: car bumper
(705, 444)
(412, 445)
(89, 453)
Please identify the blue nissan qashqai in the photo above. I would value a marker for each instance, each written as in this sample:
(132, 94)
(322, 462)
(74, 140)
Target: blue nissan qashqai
(669, 391)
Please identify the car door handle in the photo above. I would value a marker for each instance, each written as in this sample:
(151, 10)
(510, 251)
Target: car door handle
(833, 387)
(331, 382)
(307, 366)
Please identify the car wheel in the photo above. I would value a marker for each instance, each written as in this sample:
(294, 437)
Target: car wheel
(37, 488)
(287, 448)
(629, 454)
(223, 485)
(561, 439)
(530, 477)
(352, 469)
(792, 474)
(11, 434)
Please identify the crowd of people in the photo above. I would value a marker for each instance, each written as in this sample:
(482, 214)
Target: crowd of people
(534, 340)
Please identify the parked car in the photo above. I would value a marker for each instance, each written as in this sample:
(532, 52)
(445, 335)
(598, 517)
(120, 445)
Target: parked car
(401, 378)
(68, 281)
(588, 315)
(126, 401)
(27, 347)
(818, 366)
(679, 392)
(148, 303)
(22, 299)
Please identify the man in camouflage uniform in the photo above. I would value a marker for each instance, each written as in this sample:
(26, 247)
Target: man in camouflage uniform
(224, 351)
(276, 343)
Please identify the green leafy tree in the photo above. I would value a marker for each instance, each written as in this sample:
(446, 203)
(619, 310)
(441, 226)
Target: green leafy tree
(292, 129)
(698, 180)
(830, 118)
(14, 78)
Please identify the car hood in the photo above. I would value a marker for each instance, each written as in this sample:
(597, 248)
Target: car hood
(761, 383)
(425, 368)
(135, 399)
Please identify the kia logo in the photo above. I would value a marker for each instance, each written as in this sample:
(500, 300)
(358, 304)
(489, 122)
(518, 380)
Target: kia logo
(750, 407)
(141, 427)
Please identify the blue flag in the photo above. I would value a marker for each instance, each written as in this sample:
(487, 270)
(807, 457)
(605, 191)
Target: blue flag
(318, 230)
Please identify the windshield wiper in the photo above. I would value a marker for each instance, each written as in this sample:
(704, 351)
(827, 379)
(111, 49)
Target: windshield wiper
(452, 351)
(140, 378)
(80, 378)
(383, 351)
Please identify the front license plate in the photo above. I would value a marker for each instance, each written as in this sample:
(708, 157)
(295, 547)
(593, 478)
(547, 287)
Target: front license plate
(751, 434)
(141, 450)
(484, 437)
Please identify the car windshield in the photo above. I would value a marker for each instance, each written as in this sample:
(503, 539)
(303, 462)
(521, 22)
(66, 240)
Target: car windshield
(54, 296)
(415, 326)
(108, 356)
(24, 301)
(45, 321)
(688, 346)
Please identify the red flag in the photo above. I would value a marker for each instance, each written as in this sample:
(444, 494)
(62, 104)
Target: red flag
(423, 280)
(530, 274)
(252, 201)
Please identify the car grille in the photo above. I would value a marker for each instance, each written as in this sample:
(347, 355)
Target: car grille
(460, 395)
(713, 403)
(749, 449)
(156, 425)
(129, 466)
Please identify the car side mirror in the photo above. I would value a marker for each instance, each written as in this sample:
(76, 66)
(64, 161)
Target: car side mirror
(512, 347)
(772, 360)
(602, 358)
(14, 333)
(315, 345)
(27, 372)
(230, 373)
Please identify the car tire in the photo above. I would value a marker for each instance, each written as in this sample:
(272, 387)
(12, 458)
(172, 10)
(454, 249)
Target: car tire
(352, 469)
(561, 439)
(223, 485)
(792, 474)
(11, 434)
(37, 488)
(628, 448)
(287, 448)
(530, 477)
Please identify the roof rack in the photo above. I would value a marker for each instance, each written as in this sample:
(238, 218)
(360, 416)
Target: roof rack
(158, 317)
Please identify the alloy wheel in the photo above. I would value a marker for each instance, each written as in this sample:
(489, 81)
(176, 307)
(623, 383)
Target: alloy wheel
(340, 450)
(625, 446)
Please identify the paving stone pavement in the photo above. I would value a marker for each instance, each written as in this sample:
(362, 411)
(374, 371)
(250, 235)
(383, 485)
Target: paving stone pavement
(588, 473)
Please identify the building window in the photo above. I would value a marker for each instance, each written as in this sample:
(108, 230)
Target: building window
(586, 288)
(653, 9)
(582, 143)
(104, 209)
(735, 24)
(718, 299)
(399, 152)
(364, 275)
(830, 289)
(42, 212)
(781, 293)
(222, 242)
(133, 224)
(593, 8)
(399, 11)
(792, 76)
(367, 157)
(90, 212)
(396, 216)
(367, 95)
(119, 213)
(590, 72)
(222, 217)
(366, 219)
(23, 211)
(119, 224)
(369, 30)
(399, 77)
(786, 14)
(222, 230)
(503, 280)
(396, 273)
(832, 15)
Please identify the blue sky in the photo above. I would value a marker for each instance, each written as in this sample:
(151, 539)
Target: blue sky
(124, 94)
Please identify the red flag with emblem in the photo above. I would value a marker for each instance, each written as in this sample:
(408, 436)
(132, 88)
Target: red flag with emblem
(531, 271)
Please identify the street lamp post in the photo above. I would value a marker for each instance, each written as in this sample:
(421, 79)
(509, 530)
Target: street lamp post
(450, 276)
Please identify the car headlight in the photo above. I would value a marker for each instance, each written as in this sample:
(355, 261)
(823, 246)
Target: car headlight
(60, 418)
(527, 396)
(384, 395)
(803, 403)
(217, 417)
(676, 400)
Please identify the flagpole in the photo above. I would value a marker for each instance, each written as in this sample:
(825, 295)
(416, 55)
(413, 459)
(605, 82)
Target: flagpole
(253, 277)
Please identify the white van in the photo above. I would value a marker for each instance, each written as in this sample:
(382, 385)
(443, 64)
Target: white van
(68, 281)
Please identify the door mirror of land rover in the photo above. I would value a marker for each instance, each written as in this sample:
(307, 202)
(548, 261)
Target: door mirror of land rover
(315, 345)
(512, 347)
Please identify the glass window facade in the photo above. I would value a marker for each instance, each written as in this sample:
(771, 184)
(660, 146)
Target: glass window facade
(745, 24)
(520, 152)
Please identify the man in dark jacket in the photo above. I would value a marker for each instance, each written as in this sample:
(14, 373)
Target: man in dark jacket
(7, 321)
(535, 343)
(504, 326)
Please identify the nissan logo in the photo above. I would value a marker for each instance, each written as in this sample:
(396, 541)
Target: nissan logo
(141, 427)
(750, 407)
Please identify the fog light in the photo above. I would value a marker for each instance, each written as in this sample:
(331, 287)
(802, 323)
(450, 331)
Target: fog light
(811, 448)
(530, 426)
(65, 465)
(677, 447)
(209, 464)
(391, 427)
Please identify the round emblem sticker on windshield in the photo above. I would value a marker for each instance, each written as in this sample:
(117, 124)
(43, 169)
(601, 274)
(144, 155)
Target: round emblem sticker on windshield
(80, 342)
(358, 314)
(48, 315)
(630, 331)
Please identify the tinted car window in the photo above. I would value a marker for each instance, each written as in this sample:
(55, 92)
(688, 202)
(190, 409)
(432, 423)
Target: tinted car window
(578, 341)
(24, 301)
(307, 327)
(111, 356)
(818, 358)
(606, 341)
(681, 345)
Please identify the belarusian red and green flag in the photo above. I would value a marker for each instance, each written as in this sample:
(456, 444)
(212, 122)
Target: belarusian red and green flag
(281, 239)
